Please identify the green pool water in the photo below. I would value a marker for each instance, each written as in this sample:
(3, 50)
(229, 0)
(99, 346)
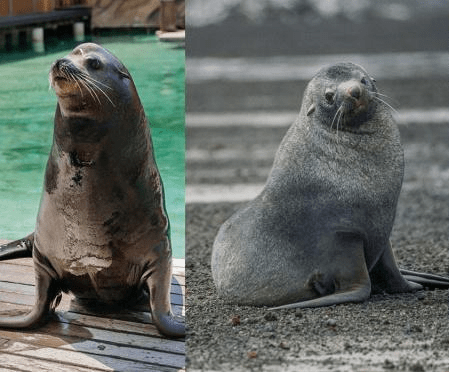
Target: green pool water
(27, 108)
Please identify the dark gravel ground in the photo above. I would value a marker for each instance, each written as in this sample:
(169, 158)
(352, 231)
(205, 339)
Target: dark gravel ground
(408, 332)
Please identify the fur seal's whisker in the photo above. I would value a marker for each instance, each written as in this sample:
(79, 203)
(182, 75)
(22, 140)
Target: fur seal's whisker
(386, 104)
(340, 117)
(336, 113)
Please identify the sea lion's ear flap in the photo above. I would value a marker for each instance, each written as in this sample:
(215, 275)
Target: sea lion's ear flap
(124, 74)
(311, 109)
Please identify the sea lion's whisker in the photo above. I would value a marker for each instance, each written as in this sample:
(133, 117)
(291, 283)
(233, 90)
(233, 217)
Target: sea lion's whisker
(76, 82)
(96, 81)
(92, 84)
(92, 92)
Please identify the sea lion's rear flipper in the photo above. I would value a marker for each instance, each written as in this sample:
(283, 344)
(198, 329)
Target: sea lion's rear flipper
(426, 280)
(350, 277)
(47, 297)
(17, 248)
(158, 282)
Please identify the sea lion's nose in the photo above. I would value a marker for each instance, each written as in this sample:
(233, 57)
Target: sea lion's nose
(61, 63)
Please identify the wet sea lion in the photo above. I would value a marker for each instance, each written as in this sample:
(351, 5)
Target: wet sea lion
(102, 231)
(318, 233)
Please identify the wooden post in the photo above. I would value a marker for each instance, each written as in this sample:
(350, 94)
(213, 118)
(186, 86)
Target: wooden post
(38, 40)
(168, 15)
(78, 31)
(2, 40)
(15, 38)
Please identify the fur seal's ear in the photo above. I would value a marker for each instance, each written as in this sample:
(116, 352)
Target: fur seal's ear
(311, 109)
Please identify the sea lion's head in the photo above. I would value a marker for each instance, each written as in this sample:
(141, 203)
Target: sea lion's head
(343, 95)
(90, 81)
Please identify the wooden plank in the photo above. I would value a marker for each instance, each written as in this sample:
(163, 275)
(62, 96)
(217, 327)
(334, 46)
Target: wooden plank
(25, 275)
(28, 358)
(80, 339)
(23, 363)
(25, 294)
(101, 328)
(96, 349)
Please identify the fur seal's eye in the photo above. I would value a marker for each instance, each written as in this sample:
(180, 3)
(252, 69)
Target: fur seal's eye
(94, 63)
(363, 81)
(329, 95)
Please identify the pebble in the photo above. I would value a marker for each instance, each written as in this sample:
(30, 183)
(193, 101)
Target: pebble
(270, 316)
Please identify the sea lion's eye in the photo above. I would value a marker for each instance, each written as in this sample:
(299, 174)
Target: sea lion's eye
(94, 63)
(329, 95)
(363, 81)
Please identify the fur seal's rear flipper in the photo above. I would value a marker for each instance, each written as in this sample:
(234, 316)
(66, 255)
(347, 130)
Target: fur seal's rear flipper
(425, 279)
(17, 249)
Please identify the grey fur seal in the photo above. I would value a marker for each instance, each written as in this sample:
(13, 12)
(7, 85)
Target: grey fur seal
(102, 231)
(318, 233)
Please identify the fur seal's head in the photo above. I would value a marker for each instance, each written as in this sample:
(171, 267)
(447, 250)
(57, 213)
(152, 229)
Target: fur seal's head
(91, 80)
(343, 96)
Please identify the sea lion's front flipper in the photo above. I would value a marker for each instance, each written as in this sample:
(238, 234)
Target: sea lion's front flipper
(158, 282)
(47, 295)
(17, 248)
(425, 279)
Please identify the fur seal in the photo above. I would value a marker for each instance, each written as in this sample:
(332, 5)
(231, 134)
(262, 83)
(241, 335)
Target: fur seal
(102, 231)
(318, 233)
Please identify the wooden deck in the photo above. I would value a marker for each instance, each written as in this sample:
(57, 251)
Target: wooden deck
(80, 340)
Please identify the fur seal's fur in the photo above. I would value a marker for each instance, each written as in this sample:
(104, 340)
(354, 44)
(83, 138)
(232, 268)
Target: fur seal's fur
(102, 231)
(318, 234)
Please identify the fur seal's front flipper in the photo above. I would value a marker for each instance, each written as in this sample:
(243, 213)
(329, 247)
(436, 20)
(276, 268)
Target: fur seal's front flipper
(360, 293)
(158, 285)
(386, 277)
(425, 279)
(17, 249)
(47, 297)
(351, 282)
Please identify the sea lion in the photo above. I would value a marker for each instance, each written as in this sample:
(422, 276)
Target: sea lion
(318, 233)
(102, 231)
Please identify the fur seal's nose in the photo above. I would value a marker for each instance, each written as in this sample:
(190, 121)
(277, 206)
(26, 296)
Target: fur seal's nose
(355, 91)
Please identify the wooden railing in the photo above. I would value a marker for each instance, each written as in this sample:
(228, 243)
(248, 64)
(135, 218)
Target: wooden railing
(20, 7)
(68, 3)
